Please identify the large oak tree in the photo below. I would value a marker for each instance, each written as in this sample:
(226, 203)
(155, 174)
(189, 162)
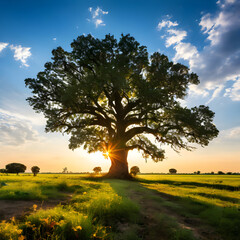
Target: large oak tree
(110, 95)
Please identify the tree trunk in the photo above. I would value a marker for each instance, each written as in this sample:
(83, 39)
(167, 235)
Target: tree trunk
(119, 166)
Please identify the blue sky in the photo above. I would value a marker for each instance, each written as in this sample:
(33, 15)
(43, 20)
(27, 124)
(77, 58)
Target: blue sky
(204, 35)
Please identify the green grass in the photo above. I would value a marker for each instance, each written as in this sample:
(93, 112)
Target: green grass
(105, 209)
(42, 187)
(198, 196)
(94, 211)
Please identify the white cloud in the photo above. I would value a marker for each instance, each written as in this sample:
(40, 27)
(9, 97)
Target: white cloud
(54, 39)
(224, 3)
(206, 23)
(99, 22)
(166, 23)
(195, 90)
(21, 54)
(219, 60)
(14, 131)
(216, 93)
(232, 133)
(216, 26)
(97, 16)
(185, 51)
(3, 45)
(234, 91)
(176, 37)
(33, 119)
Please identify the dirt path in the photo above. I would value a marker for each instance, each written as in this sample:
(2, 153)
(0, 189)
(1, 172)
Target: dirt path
(151, 207)
(20, 208)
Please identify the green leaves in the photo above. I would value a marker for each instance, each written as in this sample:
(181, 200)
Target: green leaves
(108, 91)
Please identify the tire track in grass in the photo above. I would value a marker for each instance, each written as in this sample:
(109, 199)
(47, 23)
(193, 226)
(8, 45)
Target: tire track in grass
(163, 223)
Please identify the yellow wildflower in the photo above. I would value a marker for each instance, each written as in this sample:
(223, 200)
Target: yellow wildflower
(79, 227)
(34, 207)
(21, 237)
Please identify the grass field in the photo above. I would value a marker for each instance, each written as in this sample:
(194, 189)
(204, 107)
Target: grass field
(152, 207)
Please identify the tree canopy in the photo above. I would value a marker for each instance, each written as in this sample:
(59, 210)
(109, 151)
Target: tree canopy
(16, 168)
(109, 95)
(172, 171)
(134, 170)
(97, 170)
(35, 170)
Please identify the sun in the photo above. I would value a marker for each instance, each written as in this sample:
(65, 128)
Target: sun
(106, 155)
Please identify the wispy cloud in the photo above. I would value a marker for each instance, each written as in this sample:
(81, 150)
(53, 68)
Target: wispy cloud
(216, 93)
(14, 131)
(97, 16)
(219, 60)
(28, 116)
(3, 45)
(21, 54)
(232, 133)
(234, 91)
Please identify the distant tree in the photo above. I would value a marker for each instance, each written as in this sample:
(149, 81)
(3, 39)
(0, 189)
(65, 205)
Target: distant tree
(229, 173)
(198, 172)
(16, 168)
(109, 95)
(65, 170)
(97, 170)
(172, 171)
(3, 170)
(212, 172)
(35, 170)
(221, 172)
(134, 170)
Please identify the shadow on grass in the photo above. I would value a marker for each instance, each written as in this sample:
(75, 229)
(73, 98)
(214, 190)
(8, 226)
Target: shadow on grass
(220, 197)
(194, 184)
(226, 220)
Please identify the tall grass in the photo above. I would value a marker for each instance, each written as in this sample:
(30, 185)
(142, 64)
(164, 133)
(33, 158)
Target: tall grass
(93, 212)
(102, 209)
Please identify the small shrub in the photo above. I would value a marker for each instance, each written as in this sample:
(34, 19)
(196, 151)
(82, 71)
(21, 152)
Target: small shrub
(172, 171)
(97, 170)
(134, 170)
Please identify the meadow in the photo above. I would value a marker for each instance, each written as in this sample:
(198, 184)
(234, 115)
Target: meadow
(74, 206)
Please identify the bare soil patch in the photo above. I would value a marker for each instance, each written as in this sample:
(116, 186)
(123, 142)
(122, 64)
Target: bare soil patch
(21, 208)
